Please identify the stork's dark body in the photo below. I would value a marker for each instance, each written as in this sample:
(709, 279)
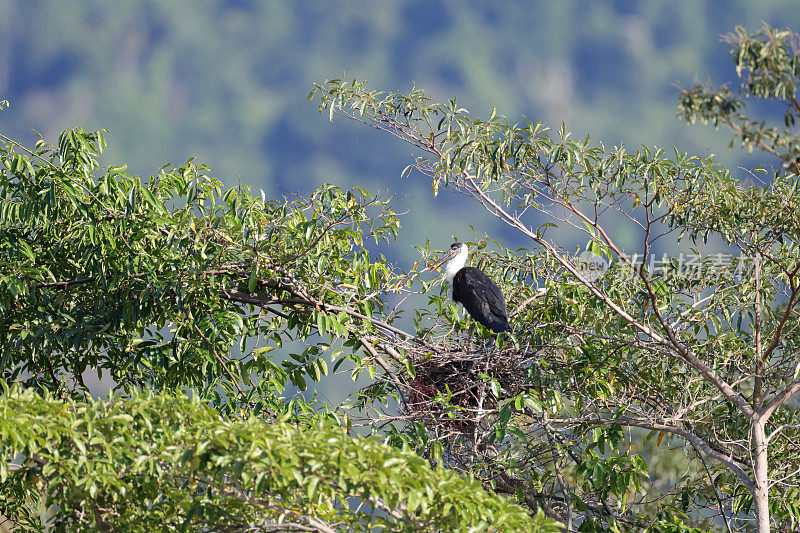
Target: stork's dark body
(482, 299)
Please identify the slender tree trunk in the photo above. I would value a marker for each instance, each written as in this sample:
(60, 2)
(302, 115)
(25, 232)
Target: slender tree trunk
(761, 474)
(759, 370)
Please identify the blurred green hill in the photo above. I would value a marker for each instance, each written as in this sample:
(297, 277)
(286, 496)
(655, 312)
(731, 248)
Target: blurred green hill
(226, 80)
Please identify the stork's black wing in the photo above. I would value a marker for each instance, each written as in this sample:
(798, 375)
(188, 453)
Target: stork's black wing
(482, 299)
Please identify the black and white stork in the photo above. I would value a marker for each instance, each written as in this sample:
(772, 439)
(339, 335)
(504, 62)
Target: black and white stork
(473, 289)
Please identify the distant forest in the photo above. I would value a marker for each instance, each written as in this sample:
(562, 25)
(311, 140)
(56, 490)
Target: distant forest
(226, 81)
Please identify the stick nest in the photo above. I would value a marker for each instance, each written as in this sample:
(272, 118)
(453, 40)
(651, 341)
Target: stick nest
(465, 376)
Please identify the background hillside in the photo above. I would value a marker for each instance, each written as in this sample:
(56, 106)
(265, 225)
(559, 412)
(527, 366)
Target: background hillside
(226, 81)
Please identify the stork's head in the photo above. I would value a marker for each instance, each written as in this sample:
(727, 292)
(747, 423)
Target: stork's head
(454, 259)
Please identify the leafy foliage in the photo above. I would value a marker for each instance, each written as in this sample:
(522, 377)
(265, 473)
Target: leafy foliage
(147, 281)
(158, 283)
(173, 285)
(767, 65)
(702, 349)
(170, 463)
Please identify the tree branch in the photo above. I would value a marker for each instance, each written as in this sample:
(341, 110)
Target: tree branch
(778, 400)
(655, 426)
(684, 352)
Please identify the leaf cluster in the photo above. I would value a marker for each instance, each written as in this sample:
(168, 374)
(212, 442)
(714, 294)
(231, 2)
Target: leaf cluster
(167, 462)
(768, 67)
(702, 349)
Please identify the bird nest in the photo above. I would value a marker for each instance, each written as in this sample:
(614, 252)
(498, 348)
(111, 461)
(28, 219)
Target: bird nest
(454, 388)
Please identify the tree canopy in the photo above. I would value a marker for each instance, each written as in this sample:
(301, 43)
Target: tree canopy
(158, 284)
(169, 463)
(702, 350)
(634, 391)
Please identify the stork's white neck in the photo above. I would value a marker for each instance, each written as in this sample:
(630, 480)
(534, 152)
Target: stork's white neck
(457, 262)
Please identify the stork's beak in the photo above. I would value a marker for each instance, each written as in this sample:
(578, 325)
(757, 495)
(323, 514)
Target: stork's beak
(449, 255)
